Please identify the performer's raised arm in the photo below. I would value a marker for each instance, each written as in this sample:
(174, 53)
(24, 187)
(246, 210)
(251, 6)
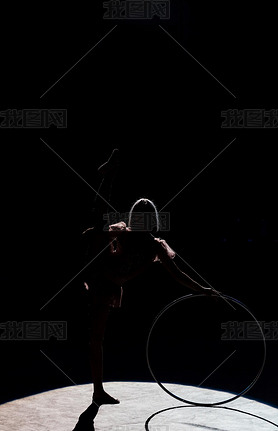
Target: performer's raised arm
(166, 256)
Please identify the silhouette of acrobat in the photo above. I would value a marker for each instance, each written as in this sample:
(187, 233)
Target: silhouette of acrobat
(86, 419)
(122, 252)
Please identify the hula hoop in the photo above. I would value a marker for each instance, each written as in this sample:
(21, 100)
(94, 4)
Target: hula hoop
(229, 298)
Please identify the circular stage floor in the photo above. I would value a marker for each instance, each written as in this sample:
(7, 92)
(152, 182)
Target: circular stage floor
(144, 406)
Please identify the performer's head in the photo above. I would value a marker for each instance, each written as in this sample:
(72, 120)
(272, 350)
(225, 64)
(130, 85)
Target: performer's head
(143, 216)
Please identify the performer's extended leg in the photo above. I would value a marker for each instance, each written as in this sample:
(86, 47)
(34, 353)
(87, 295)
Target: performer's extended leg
(100, 309)
(102, 205)
(100, 315)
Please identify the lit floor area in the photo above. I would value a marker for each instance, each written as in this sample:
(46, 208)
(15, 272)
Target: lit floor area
(144, 406)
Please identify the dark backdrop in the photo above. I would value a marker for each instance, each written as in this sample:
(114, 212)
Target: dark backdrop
(137, 90)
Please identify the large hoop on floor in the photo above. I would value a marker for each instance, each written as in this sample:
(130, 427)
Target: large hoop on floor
(228, 299)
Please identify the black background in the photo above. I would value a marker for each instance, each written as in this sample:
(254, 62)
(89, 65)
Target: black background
(139, 91)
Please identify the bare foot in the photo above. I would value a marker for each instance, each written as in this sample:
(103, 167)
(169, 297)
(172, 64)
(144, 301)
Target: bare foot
(104, 398)
(112, 164)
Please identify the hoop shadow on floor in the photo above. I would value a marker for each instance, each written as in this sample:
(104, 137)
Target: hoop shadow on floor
(203, 426)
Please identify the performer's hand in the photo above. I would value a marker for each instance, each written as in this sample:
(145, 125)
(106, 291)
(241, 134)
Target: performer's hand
(207, 291)
(120, 226)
